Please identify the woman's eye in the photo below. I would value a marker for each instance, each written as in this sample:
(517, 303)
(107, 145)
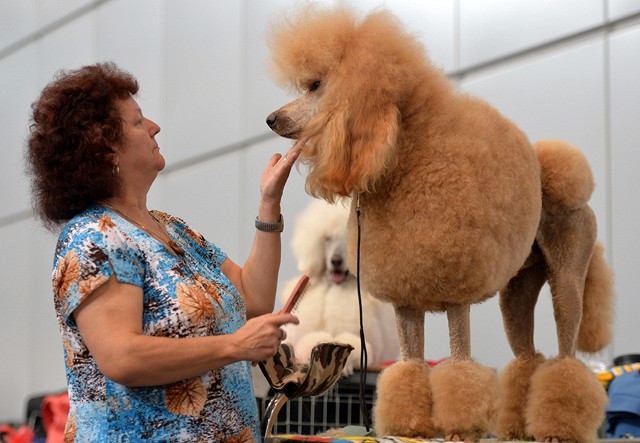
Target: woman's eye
(314, 86)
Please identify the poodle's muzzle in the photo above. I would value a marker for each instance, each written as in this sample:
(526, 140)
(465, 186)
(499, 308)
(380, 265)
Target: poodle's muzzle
(337, 271)
(290, 120)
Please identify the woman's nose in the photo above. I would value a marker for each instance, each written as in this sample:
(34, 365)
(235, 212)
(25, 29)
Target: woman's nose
(154, 128)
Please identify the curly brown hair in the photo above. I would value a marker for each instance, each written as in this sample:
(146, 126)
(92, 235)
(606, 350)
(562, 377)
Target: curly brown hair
(73, 128)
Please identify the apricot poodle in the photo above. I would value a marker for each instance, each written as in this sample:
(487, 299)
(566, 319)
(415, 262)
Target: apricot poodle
(455, 206)
(328, 310)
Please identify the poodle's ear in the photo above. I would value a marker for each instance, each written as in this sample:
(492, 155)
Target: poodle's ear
(352, 144)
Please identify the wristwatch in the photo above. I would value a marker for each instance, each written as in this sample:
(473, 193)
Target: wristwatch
(270, 226)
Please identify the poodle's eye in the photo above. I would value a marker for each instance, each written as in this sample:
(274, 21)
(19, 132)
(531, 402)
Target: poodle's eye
(314, 86)
(327, 238)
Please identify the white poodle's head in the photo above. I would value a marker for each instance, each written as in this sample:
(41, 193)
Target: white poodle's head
(319, 241)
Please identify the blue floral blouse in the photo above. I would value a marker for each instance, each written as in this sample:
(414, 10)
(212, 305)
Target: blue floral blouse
(180, 300)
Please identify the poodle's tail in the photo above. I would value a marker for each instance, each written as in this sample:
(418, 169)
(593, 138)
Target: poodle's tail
(567, 184)
(598, 304)
(567, 181)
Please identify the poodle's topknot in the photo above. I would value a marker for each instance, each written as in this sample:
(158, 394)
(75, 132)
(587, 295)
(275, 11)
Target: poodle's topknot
(327, 31)
(313, 41)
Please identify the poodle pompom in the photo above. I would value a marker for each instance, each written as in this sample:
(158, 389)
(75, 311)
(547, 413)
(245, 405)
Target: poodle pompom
(393, 414)
(566, 402)
(567, 182)
(598, 305)
(515, 381)
(327, 31)
(319, 221)
(464, 389)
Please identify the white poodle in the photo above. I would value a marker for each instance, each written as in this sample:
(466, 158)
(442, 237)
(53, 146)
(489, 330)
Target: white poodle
(328, 309)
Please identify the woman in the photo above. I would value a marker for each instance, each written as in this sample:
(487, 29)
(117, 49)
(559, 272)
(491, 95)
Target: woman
(158, 324)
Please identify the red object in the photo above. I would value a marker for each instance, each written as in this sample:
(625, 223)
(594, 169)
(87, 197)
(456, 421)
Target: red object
(435, 362)
(23, 434)
(55, 409)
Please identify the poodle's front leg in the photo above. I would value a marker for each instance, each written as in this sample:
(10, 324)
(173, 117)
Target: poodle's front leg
(410, 324)
(403, 393)
(459, 331)
(465, 393)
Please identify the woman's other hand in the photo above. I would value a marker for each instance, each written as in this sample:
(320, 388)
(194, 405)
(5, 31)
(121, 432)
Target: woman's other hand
(260, 337)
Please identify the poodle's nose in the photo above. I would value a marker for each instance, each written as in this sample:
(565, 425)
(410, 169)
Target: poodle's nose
(336, 261)
(271, 119)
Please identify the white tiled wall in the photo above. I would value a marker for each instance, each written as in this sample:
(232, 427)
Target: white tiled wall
(619, 9)
(16, 93)
(624, 69)
(549, 65)
(491, 29)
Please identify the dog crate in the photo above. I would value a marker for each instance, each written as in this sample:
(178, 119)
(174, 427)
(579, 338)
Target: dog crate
(336, 408)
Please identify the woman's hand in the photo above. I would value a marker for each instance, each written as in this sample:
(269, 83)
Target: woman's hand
(260, 337)
(257, 280)
(275, 176)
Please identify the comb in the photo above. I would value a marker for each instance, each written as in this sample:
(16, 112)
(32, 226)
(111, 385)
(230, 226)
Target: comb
(294, 298)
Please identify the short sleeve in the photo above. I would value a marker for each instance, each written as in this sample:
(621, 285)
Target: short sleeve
(217, 255)
(87, 255)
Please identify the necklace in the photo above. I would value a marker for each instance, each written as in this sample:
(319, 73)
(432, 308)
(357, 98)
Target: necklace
(173, 246)
(204, 284)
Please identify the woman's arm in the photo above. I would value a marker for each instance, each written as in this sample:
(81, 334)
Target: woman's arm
(110, 322)
(257, 280)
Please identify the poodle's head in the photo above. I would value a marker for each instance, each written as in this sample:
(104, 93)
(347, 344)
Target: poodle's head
(355, 77)
(319, 241)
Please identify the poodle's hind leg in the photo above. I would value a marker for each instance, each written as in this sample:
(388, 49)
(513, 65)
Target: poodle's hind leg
(465, 393)
(566, 402)
(517, 303)
(567, 243)
(403, 392)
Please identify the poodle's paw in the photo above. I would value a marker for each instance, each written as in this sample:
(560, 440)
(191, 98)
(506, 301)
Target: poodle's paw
(566, 402)
(349, 366)
(353, 362)
(403, 404)
(465, 396)
(515, 381)
(307, 342)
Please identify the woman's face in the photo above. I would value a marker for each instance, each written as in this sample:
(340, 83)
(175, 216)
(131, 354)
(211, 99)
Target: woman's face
(139, 154)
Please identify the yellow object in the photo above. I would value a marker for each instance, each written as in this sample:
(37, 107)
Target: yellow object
(605, 377)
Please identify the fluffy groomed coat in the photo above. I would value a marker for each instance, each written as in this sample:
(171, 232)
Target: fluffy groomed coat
(456, 205)
(328, 310)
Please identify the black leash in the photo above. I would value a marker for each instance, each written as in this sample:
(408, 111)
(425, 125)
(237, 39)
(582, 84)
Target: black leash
(363, 349)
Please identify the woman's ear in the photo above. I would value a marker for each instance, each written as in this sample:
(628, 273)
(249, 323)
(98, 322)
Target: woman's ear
(112, 157)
